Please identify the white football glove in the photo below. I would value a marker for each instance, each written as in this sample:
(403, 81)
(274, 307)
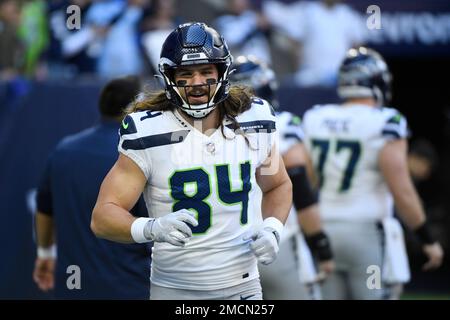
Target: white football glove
(265, 241)
(171, 228)
(264, 245)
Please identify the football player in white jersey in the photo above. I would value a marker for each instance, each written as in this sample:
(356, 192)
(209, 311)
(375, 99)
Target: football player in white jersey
(196, 151)
(359, 150)
(292, 276)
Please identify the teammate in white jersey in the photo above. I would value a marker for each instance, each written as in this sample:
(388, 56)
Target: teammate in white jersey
(359, 150)
(196, 152)
(292, 276)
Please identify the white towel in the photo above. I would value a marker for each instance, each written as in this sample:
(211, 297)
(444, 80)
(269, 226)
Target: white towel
(306, 270)
(396, 264)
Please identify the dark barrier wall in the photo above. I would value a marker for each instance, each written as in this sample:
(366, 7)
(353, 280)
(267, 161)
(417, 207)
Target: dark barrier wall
(298, 100)
(30, 128)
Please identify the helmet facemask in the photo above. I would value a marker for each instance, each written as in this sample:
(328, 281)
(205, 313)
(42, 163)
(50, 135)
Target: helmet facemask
(174, 91)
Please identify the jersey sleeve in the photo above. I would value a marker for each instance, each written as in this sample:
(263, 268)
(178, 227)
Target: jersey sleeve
(305, 126)
(131, 144)
(259, 126)
(395, 127)
(290, 132)
(268, 137)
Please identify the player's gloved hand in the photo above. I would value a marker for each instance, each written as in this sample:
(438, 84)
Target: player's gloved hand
(430, 247)
(435, 256)
(265, 240)
(320, 247)
(171, 228)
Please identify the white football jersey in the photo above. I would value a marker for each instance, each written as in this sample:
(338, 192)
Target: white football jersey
(212, 176)
(289, 130)
(290, 133)
(345, 143)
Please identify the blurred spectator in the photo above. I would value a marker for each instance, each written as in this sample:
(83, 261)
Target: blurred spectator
(245, 30)
(12, 56)
(34, 34)
(11, 47)
(432, 187)
(122, 52)
(66, 196)
(156, 26)
(423, 163)
(71, 52)
(422, 160)
(325, 30)
(107, 42)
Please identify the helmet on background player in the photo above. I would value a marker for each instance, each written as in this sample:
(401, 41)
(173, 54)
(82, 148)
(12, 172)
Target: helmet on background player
(249, 71)
(364, 73)
(189, 44)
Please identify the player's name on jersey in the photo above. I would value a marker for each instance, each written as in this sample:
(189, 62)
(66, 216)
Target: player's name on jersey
(337, 125)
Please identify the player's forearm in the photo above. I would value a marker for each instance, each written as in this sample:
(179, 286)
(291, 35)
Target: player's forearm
(278, 201)
(309, 220)
(110, 221)
(409, 206)
(44, 230)
(393, 166)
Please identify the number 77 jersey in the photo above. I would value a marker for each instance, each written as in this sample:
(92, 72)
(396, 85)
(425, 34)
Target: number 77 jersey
(211, 175)
(344, 143)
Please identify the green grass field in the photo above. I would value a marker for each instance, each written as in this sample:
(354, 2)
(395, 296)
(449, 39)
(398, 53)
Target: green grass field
(425, 296)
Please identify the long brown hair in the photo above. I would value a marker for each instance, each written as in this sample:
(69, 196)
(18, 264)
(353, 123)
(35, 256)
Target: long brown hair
(239, 100)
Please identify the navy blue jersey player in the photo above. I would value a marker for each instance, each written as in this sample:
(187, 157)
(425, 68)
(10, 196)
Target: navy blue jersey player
(87, 267)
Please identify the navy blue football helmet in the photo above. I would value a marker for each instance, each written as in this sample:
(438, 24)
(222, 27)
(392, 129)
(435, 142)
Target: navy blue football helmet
(249, 71)
(364, 73)
(195, 43)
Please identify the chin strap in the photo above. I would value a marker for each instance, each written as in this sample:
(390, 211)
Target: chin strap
(198, 114)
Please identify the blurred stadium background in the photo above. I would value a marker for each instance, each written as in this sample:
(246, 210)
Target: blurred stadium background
(49, 85)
